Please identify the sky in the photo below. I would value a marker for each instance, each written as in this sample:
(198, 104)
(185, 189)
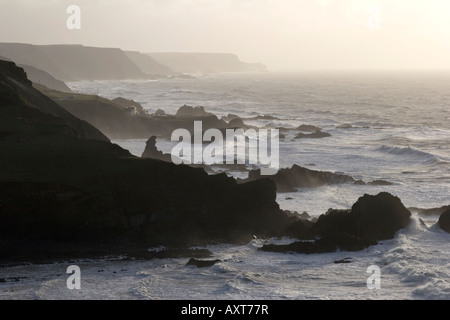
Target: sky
(283, 34)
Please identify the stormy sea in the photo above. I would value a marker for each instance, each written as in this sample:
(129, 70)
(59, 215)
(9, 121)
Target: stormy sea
(390, 127)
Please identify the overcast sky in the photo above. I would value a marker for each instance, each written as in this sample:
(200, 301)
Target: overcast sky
(284, 34)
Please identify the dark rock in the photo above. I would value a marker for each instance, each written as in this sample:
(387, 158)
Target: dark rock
(202, 263)
(287, 180)
(360, 183)
(192, 112)
(174, 253)
(296, 247)
(343, 242)
(160, 113)
(380, 183)
(345, 126)
(309, 128)
(422, 223)
(334, 222)
(130, 106)
(300, 229)
(344, 261)
(444, 221)
(305, 215)
(153, 153)
(371, 219)
(380, 217)
(237, 123)
(315, 135)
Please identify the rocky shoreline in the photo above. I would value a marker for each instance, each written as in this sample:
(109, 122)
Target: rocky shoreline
(67, 192)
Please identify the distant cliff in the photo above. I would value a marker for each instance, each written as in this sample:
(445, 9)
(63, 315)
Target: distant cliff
(206, 62)
(147, 64)
(44, 78)
(74, 62)
(78, 62)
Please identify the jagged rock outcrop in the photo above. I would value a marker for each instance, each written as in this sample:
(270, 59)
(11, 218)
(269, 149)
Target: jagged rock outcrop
(192, 112)
(380, 217)
(371, 219)
(152, 152)
(132, 107)
(287, 180)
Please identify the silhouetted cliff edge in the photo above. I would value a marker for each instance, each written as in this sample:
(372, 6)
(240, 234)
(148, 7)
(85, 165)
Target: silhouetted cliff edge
(62, 181)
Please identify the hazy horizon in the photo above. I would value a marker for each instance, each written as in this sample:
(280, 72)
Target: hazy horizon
(286, 35)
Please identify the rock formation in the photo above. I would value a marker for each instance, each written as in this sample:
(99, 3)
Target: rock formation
(287, 180)
(371, 219)
(444, 221)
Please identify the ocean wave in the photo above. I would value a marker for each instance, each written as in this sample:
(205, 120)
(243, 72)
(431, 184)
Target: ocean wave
(240, 283)
(426, 157)
(181, 90)
(419, 261)
(438, 289)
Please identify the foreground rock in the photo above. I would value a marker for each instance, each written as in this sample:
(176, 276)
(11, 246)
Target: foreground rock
(312, 132)
(332, 243)
(202, 263)
(308, 128)
(371, 219)
(380, 183)
(288, 180)
(315, 135)
(380, 217)
(444, 221)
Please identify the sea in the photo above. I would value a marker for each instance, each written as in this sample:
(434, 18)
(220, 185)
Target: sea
(392, 126)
